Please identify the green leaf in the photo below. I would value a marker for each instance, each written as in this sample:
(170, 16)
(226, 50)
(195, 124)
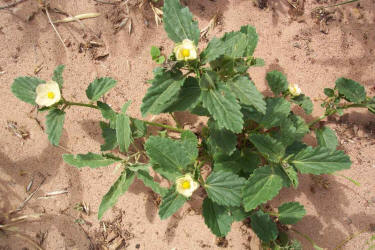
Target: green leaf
(108, 113)
(178, 22)
(155, 52)
(257, 62)
(238, 162)
(188, 96)
(248, 94)
(225, 188)
(270, 148)
(251, 40)
(304, 102)
(329, 92)
(57, 75)
(264, 184)
(292, 174)
(353, 91)
(109, 135)
(161, 95)
(24, 88)
(292, 129)
(118, 188)
(291, 212)
(55, 123)
(89, 160)
(123, 132)
(277, 82)
(215, 48)
(138, 127)
(99, 87)
(199, 110)
(169, 154)
(295, 148)
(125, 107)
(160, 60)
(221, 103)
(190, 142)
(264, 226)
(139, 166)
(326, 137)
(216, 218)
(222, 139)
(238, 213)
(169, 174)
(371, 105)
(320, 160)
(278, 110)
(149, 182)
(234, 44)
(171, 202)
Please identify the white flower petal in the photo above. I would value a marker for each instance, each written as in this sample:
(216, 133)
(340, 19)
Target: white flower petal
(187, 192)
(185, 45)
(42, 91)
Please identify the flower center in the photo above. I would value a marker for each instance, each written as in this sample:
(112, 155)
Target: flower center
(185, 52)
(186, 185)
(50, 95)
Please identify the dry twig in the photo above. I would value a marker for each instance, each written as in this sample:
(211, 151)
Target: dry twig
(105, 2)
(12, 4)
(53, 26)
(23, 204)
(78, 17)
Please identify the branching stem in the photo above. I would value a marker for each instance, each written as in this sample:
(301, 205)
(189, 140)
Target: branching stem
(12, 4)
(179, 130)
(306, 237)
(312, 123)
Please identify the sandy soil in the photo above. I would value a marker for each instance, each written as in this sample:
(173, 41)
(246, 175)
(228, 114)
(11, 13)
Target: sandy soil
(288, 41)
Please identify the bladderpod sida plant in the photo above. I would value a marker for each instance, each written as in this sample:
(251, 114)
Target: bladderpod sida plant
(252, 143)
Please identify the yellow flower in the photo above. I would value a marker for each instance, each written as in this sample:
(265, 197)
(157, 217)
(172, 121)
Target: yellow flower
(186, 185)
(185, 51)
(47, 94)
(294, 89)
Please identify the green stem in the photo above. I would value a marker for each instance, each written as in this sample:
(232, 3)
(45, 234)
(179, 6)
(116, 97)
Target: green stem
(198, 168)
(355, 105)
(307, 238)
(179, 130)
(350, 237)
(81, 104)
(273, 214)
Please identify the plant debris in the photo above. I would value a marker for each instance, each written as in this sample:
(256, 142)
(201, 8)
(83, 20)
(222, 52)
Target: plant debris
(17, 130)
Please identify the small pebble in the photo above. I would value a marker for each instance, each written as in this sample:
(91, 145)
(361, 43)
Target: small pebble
(348, 221)
(137, 246)
(297, 45)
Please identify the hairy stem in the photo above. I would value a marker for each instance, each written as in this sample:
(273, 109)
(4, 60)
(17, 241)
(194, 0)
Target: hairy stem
(307, 238)
(312, 123)
(179, 130)
(81, 104)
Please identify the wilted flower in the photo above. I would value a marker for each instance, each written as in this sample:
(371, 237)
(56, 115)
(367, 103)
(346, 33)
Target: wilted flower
(186, 50)
(186, 185)
(47, 94)
(294, 89)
